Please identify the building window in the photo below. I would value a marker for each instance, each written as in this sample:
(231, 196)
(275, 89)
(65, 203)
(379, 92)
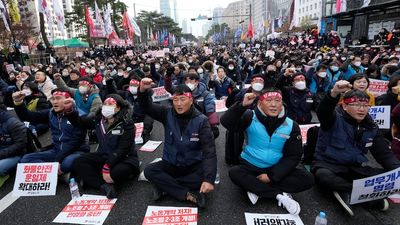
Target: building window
(315, 5)
(306, 8)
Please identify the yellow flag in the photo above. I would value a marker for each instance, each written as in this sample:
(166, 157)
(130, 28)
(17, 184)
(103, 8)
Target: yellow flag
(14, 11)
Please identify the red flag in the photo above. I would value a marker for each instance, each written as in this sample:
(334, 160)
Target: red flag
(126, 24)
(338, 5)
(250, 30)
(89, 21)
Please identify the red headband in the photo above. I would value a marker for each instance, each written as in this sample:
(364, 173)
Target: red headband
(300, 76)
(269, 95)
(84, 82)
(62, 93)
(355, 99)
(187, 94)
(134, 82)
(110, 101)
(257, 78)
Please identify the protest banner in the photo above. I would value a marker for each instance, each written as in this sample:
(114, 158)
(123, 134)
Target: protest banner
(36, 179)
(378, 87)
(208, 51)
(129, 52)
(138, 134)
(166, 50)
(10, 67)
(88, 209)
(375, 187)
(257, 219)
(170, 215)
(25, 49)
(381, 116)
(79, 54)
(220, 105)
(304, 128)
(150, 146)
(160, 54)
(160, 94)
(177, 49)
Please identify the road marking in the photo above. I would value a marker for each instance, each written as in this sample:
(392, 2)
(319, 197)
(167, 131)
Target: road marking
(7, 201)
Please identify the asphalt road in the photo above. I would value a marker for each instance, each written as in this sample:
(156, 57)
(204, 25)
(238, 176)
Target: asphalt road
(225, 206)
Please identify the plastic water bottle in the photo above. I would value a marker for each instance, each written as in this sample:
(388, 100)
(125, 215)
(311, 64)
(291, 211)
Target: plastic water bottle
(217, 178)
(34, 132)
(321, 219)
(74, 189)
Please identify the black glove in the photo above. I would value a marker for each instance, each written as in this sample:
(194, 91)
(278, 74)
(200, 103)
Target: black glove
(215, 131)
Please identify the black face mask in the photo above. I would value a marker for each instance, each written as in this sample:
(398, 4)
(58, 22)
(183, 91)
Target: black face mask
(271, 73)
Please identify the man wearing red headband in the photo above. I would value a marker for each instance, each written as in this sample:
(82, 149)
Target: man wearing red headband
(87, 98)
(189, 163)
(346, 135)
(69, 141)
(272, 152)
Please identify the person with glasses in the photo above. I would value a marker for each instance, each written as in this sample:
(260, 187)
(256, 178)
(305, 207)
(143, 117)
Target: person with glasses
(346, 135)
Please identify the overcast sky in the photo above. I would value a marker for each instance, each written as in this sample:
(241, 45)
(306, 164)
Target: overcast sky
(185, 9)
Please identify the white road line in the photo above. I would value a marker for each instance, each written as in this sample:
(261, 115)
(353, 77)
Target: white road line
(7, 201)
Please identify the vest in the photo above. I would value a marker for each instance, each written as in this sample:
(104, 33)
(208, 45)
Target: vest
(84, 107)
(351, 71)
(262, 150)
(183, 149)
(338, 145)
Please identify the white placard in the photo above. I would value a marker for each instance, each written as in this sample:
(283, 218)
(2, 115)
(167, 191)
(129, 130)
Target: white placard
(88, 209)
(10, 67)
(138, 134)
(378, 87)
(270, 53)
(35, 179)
(166, 50)
(25, 49)
(304, 129)
(220, 105)
(381, 116)
(243, 45)
(257, 46)
(79, 54)
(26, 69)
(160, 54)
(160, 94)
(375, 187)
(177, 49)
(150, 146)
(129, 52)
(256, 218)
(158, 215)
(208, 51)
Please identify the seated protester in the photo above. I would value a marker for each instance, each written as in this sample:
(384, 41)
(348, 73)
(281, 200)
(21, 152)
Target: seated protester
(189, 163)
(351, 67)
(395, 118)
(208, 70)
(204, 76)
(87, 98)
(392, 95)
(69, 141)
(271, 76)
(222, 84)
(256, 86)
(361, 82)
(73, 82)
(156, 73)
(373, 72)
(13, 141)
(346, 135)
(298, 99)
(45, 84)
(95, 75)
(320, 84)
(116, 158)
(21, 78)
(334, 73)
(387, 71)
(35, 100)
(268, 170)
(233, 72)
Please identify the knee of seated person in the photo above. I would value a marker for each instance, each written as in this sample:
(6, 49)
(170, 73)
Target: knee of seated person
(234, 172)
(150, 171)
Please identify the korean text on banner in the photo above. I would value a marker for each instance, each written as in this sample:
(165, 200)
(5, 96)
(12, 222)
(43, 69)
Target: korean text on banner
(378, 87)
(160, 54)
(35, 179)
(381, 116)
(375, 187)
(256, 218)
(170, 215)
(304, 129)
(88, 209)
(160, 94)
(138, 134)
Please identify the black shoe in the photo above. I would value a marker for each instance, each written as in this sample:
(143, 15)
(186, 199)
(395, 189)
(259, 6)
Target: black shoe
(157, 193)
(108, 190)
(380, 204)
(197, 198)
(344, 200)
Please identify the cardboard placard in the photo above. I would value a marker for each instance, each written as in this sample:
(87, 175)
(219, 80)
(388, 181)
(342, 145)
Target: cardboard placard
(170, 215)
(256, 218)
(378, 87)
(160, 94)
(150, 146)
(220, 105)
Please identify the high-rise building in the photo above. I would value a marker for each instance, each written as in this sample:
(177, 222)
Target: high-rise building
(308, 12)
(175, 11)
(237, 13)
(165, 8)
(206, 27)
(184, 26)
(217, 13)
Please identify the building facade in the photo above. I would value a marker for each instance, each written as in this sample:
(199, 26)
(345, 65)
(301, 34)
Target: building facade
(165, 8)
(308, 12)
(237, 14)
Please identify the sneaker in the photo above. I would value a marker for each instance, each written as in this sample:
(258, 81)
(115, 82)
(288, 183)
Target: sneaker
(344, 200)
(286, 201)
(3, 179)
(253, 197)
(157, 193)
(108, 190)
(197, 198)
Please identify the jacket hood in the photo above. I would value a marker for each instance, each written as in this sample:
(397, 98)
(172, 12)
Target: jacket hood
(199, 90)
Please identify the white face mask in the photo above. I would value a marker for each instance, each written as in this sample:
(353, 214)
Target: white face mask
(397, 49)
(83, 90)
(120, 73)
(322, 74)
(102, 67)
(104, 82)
(257, 86)
(343, 58)
(92, 71)
(319, 57)
(107, 111)
(334, 68)
(87, 70)
(357, 63)
(300, 85)
(200, 71)
(191, 86)
(190, 60)
(26, 92)
(65, 73)
(133, 90)
(157, 66)
(231, 67)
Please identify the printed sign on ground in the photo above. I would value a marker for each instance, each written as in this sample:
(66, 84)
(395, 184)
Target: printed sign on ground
(160, 94)
(381, 115)
(375, 187)
(88, 209)
(138, 134)
(35, 179)
(304, 129)
(170, 215)
(150, 146)
(220, 105)
(258, 219)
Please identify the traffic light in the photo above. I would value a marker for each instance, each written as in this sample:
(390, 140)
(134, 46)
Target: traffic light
(193, 19)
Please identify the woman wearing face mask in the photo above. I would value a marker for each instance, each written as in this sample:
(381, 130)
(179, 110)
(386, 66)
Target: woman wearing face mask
(334, 72)
(297, 97)
(116, 159)
(352, 66)
(320, 83)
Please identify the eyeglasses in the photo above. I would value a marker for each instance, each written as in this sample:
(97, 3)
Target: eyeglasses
(359, 106)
